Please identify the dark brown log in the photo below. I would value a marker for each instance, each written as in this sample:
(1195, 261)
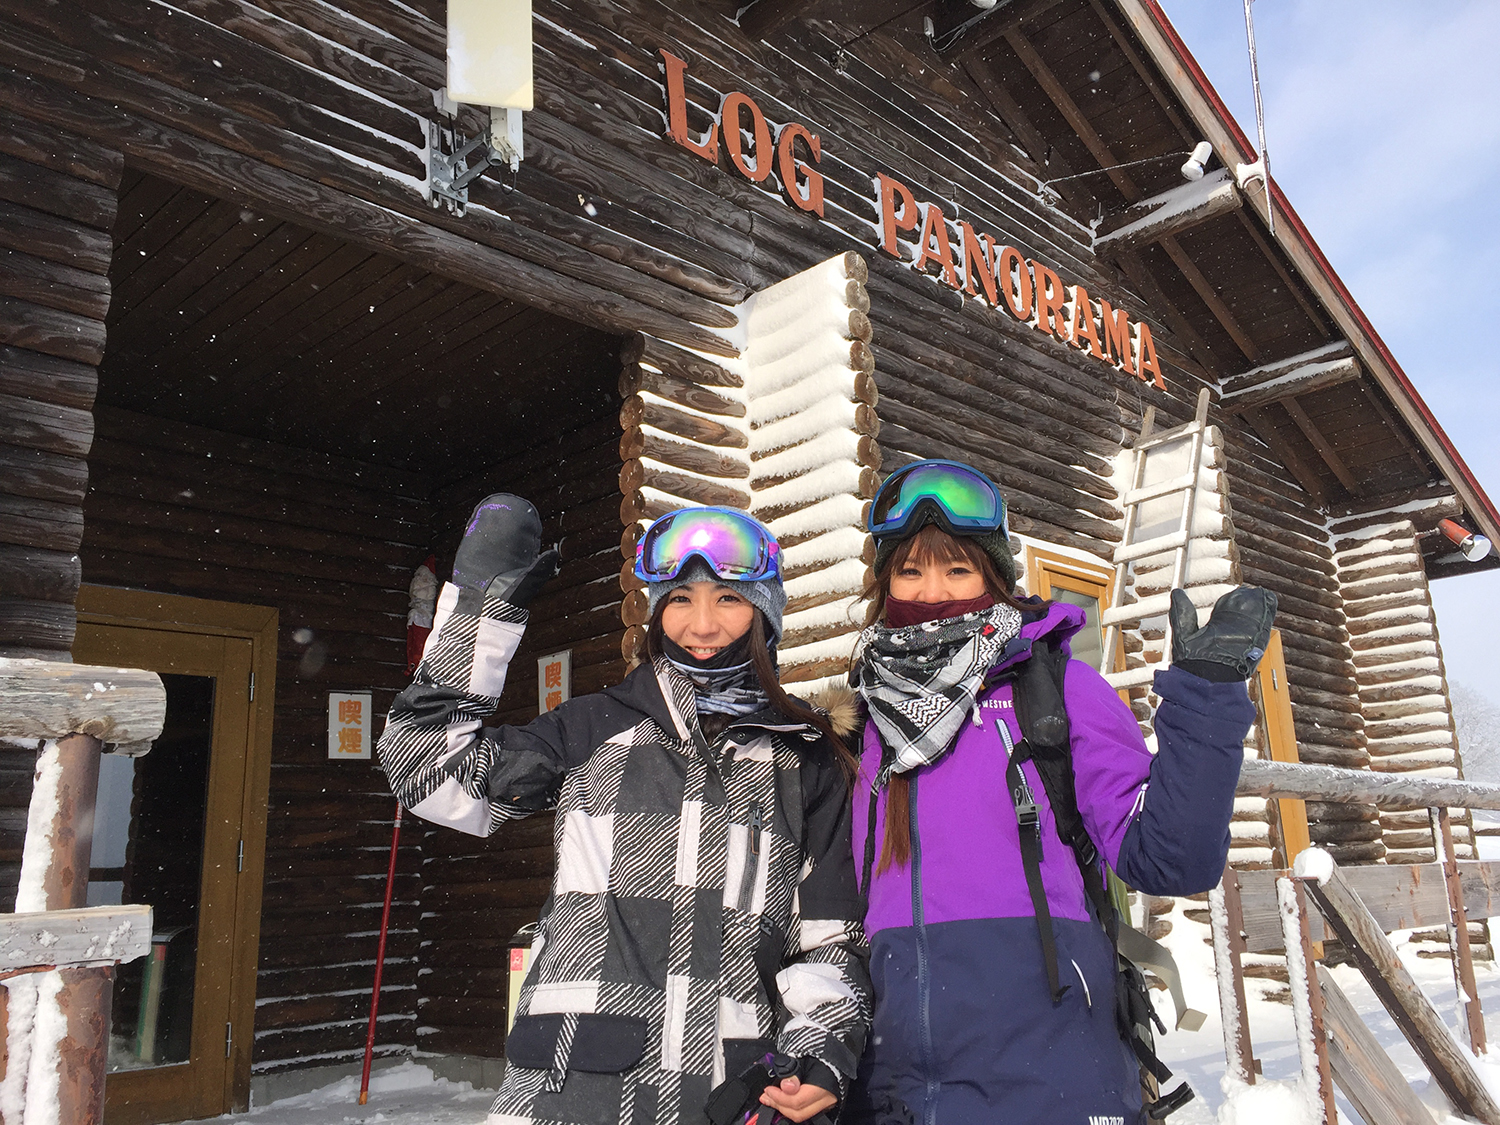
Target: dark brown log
(702, 430)
(63, 334)
(1170, 213)
(54, 285)
(666, 357)
(405, 75)
(66, 153)
(56, 193)
(44, 378)
(697, 459)
(45, 426)
(30, 574)
(633, 475)
(636, 378)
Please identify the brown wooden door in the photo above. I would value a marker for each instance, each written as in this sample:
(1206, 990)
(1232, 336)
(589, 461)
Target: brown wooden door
(169, 832)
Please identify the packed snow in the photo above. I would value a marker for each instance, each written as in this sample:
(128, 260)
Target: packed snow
(410, 1094)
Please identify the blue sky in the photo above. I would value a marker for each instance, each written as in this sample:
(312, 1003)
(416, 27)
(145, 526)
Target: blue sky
(1383, 127)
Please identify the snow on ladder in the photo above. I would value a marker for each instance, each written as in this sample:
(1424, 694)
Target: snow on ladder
(1176, 457)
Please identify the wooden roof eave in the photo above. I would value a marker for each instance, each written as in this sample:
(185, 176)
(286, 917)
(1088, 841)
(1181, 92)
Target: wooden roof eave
(1209, 114)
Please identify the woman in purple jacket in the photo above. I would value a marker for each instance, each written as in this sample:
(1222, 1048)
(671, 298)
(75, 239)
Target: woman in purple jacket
(975, 1023)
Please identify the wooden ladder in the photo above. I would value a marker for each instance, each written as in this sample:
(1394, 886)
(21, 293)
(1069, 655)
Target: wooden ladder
(1176, 541)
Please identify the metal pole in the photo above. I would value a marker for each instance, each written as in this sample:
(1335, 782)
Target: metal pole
(385, 922)
(1260, 116)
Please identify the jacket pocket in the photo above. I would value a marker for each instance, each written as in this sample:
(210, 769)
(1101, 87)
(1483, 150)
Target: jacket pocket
(602, 1044)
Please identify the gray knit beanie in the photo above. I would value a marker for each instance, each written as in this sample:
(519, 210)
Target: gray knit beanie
(767, 595)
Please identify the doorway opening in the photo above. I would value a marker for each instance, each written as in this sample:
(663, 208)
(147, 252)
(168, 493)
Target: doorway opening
(292, 421)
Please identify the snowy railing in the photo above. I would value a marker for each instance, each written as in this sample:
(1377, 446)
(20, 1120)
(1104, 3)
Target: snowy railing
(58, 957)
(1358, 906)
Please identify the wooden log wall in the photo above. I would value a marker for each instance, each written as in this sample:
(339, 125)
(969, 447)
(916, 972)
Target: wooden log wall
(1284, 546)
(1403, 685)
(476, 893)
(332, 544)
(814, 459)
(57, 207)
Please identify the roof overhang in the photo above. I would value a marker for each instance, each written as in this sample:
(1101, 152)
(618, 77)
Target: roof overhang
(1197, 95)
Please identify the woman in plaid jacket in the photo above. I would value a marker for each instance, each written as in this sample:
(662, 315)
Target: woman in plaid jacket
(704, 913)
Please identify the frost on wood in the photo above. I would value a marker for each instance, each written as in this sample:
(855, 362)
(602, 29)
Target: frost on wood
(41, 819)
(802, 458)
(1398, 666)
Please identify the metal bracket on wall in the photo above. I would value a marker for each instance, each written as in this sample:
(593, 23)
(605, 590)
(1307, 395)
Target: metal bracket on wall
(454, 162)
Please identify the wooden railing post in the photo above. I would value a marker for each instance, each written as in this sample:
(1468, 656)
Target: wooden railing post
(1458, 932)
(1307, 1001)
(57, 1054)
(1414, 1014)
(1228, 925)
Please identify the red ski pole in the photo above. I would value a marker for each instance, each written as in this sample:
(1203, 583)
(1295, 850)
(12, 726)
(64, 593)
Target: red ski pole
(385, 922)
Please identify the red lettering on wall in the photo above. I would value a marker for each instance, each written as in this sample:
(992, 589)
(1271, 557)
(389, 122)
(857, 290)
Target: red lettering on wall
(677, 126)
(979, 261)
(1146, 366)
(1050, 299)
(934, 244)
(1116, 335)
(1082, 329)
(1015, 282)
(731, 113)
(789, 167)
(890, 220)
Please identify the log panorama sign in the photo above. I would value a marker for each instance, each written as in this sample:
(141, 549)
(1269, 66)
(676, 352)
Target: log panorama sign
(1005, 278)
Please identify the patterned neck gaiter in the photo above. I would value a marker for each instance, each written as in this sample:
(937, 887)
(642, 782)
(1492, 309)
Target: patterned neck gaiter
(726, 683)
(920, 681)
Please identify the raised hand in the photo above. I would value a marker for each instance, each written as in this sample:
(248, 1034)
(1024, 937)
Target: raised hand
(1230, 646)
(501, 551)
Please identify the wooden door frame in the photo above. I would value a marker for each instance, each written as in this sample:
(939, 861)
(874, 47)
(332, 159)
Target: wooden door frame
(106, 605)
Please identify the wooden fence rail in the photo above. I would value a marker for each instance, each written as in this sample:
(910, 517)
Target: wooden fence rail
(59, 955)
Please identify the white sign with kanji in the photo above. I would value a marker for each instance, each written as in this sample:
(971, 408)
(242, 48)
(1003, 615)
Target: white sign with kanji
(349, 724)
(554, 680)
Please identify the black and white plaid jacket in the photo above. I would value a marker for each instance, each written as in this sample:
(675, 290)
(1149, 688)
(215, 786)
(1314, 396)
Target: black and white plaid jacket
(704, 908)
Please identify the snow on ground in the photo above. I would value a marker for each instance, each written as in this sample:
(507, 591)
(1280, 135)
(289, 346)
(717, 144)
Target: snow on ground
(410, 1094)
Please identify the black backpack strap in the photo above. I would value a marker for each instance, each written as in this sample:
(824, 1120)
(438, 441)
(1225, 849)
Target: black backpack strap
(1046, 742)
(1030, 825)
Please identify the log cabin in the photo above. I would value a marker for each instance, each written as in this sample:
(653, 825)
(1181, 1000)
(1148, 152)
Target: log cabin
(268, 330)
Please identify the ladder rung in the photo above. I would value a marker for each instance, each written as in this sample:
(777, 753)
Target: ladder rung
(1128, 552)
(1162, 488)
(1176, 433)
(1132, 677)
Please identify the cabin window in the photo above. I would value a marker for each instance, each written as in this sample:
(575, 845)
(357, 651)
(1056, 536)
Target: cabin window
(1080, 582)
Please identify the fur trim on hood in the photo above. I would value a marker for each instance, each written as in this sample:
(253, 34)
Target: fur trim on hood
(844, 707)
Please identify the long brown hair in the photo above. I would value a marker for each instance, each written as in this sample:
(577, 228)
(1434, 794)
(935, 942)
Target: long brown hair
(770, 683)
(930, 544)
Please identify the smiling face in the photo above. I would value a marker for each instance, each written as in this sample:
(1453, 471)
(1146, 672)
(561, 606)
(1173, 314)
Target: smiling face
(705, 617)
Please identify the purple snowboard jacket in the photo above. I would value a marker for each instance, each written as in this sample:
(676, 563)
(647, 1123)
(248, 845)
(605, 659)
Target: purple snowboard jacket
(965, 1031)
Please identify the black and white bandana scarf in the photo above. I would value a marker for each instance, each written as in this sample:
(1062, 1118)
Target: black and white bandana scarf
(725, 685)
(920, 681)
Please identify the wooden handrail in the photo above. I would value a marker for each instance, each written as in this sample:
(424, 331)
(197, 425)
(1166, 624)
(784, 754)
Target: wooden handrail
(48, 699)
(1388, 790)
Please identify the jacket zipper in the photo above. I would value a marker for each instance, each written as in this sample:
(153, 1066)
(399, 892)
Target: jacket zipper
(752, 852)
(924, 979)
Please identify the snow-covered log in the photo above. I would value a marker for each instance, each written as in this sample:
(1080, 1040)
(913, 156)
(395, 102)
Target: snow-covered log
(1329, 783)
(1314, 370)
(1381, 965)
(47, 699)
(1171, 212)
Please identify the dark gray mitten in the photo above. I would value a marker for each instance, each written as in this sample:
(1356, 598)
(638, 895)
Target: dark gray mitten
(1230, 646)
(502, 554)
